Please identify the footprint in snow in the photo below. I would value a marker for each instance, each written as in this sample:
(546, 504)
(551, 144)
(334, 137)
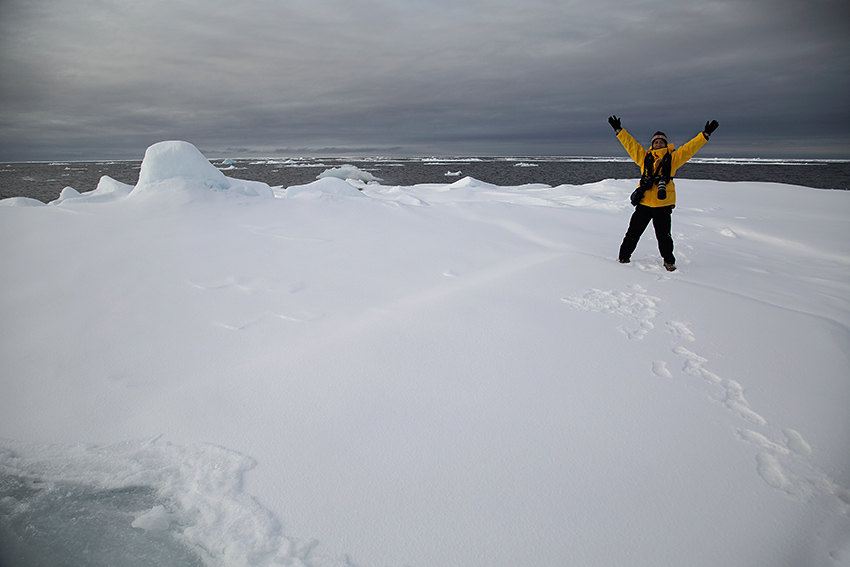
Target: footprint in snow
(659, 368)
(772, 457)
(796, 442)
(732, 391)
(785, 465)
(635, 305)
(782, 464)
(681, 331)
(694, 365)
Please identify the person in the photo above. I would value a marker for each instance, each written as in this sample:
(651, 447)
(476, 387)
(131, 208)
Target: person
(655, 198)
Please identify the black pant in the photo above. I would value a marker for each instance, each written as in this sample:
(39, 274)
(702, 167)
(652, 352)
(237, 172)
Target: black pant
(660, 217)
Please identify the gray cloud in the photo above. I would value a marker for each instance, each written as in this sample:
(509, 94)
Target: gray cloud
(107, 78)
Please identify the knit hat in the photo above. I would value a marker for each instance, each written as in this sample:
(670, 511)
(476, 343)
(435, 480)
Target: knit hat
(659, 135)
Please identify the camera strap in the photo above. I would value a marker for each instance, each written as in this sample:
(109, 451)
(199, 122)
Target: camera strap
(651, 172)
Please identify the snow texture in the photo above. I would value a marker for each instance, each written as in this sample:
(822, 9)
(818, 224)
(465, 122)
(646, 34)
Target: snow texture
(199, 370)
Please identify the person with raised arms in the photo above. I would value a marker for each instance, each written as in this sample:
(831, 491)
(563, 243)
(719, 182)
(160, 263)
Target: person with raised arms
(655, 197)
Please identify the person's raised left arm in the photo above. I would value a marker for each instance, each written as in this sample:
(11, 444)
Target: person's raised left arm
(689, 149)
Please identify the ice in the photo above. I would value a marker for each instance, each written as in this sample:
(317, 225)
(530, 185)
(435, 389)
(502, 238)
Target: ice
(133, 503)
(107, 190)
(178, 168)
(157, 519)
(164, 161)
(348, 171)
(67, 194)
(326, 188)
(49, 522)
(20, 202)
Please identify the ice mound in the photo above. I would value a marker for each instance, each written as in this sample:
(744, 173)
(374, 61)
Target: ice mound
(329, 188)
(109, 186)
(107, 190)
(68, 193)
(169, 160)
(176, 167)
(348, 171)
(393, 194)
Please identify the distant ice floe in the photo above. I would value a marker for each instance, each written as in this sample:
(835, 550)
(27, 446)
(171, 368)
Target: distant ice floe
(348, 171)
(764, 161)
(526, 164)
(287, 162)
(450, 160)
(453, 173)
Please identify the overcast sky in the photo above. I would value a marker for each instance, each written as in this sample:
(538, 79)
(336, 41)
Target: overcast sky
(106, 78)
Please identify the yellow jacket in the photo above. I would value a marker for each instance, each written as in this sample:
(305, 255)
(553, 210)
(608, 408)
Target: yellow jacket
(678, 158)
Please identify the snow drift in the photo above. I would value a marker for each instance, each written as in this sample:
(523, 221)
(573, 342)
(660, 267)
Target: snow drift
(441, 374)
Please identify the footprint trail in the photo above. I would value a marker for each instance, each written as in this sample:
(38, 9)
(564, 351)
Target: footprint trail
(783, 456)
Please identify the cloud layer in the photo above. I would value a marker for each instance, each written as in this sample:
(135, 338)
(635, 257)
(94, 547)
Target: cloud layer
(107, 78)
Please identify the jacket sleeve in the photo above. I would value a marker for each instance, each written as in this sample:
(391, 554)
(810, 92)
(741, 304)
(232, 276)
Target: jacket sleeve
(687, 151)
(633, 147)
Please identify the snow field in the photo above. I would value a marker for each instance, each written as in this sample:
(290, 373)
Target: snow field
(443, 374)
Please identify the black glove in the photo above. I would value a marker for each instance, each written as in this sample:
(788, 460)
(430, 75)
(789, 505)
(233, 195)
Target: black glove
(615, 123)
(710, 127)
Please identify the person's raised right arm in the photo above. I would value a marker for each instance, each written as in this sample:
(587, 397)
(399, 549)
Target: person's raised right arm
(633, 147)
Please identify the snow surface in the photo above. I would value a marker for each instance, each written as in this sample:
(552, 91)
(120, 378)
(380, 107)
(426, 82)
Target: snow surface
(195, 372)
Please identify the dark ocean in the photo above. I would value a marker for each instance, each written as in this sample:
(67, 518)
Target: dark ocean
(44, 181)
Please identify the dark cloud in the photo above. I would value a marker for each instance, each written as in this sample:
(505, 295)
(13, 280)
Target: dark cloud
(107, 78)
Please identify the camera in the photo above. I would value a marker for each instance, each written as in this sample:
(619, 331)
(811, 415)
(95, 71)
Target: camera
(662, 190)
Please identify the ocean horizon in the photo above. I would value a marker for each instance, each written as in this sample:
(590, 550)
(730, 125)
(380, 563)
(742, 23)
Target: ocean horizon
(45, 180)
